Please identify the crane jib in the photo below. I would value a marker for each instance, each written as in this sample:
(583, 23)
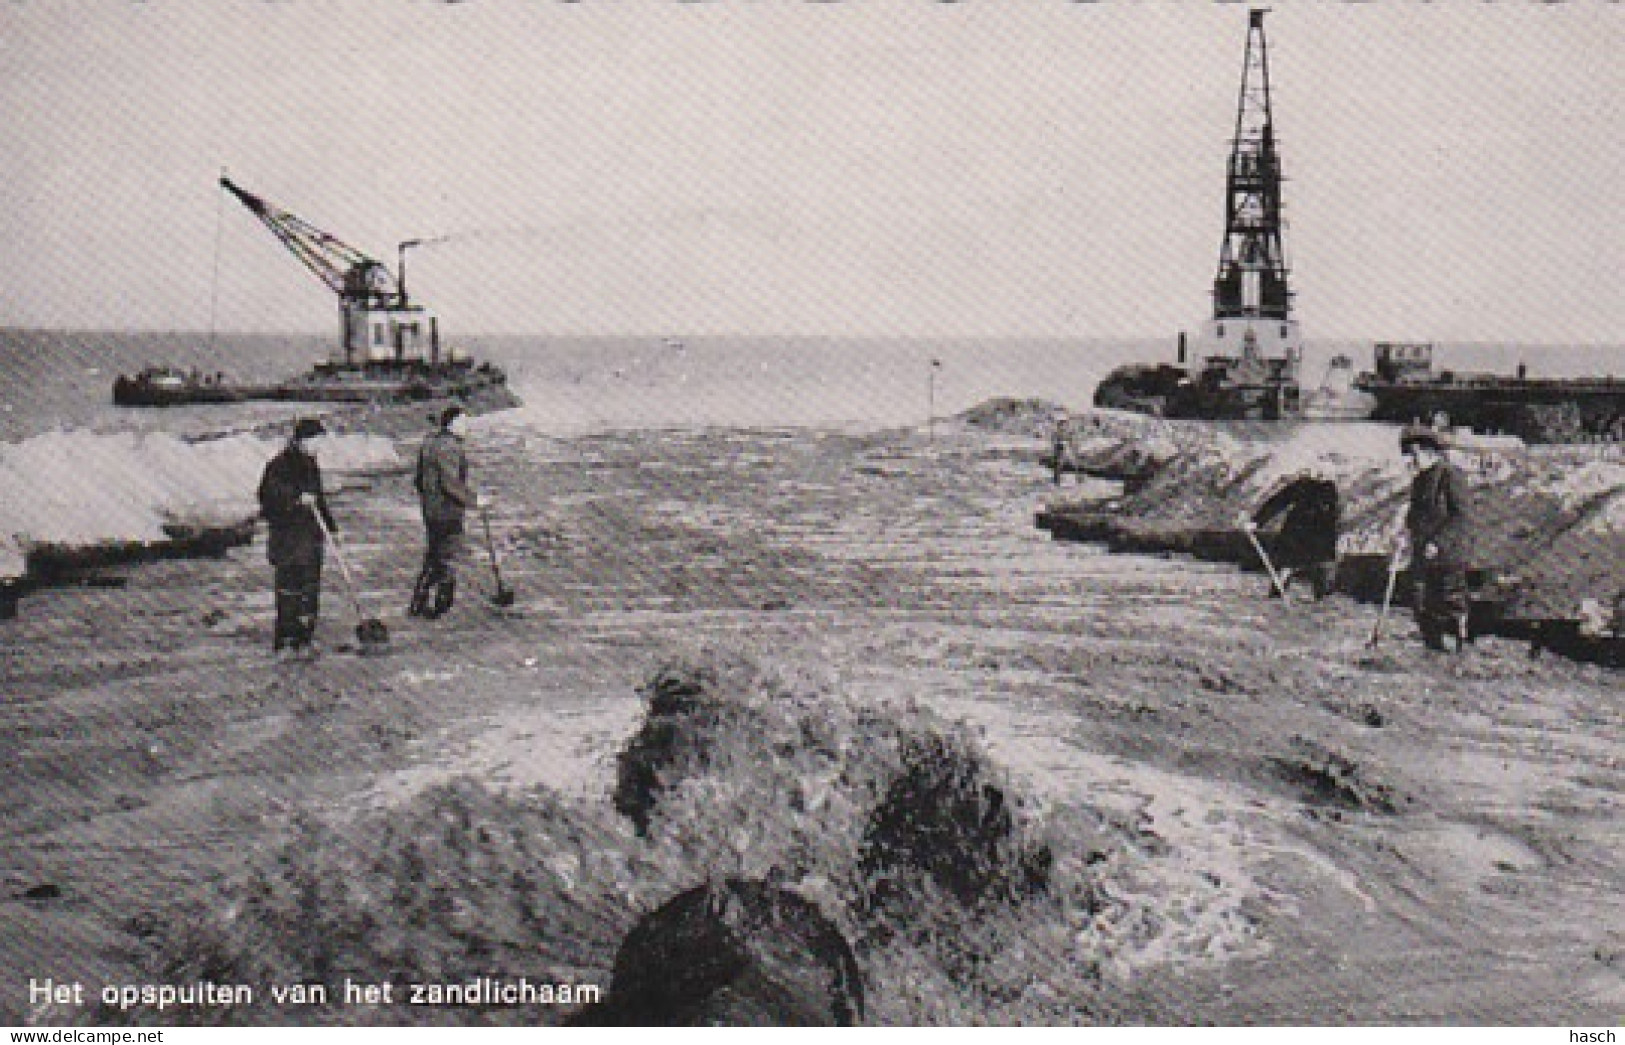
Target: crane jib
(343, 269)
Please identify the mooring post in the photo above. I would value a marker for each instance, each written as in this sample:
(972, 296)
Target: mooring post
(931, 401)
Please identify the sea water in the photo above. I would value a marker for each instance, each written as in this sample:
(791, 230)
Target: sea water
(76, 470)
(63, 380)
(52, 380)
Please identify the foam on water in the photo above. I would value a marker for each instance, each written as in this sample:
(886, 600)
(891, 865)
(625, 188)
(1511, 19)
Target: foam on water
(84, 489)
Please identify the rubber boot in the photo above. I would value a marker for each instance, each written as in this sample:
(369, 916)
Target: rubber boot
(304, 640)
(420, 596)
(287, 633)
(445, 594)
(1464, 635)
(1321, 580)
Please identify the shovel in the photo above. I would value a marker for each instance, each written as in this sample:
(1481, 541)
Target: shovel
(1275, 578)
(370, 632)
(1387, 600)
(503, 596)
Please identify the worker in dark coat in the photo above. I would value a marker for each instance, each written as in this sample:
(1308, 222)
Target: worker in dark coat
(1308, 513)
(1062, 457)
(1439, 527)
(444, 493)
(290, 495)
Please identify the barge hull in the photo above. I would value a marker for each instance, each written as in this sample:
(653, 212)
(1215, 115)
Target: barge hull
(326, 385)
(1553, 411)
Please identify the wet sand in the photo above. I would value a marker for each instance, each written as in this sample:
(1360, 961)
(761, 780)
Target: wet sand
(1341, 835)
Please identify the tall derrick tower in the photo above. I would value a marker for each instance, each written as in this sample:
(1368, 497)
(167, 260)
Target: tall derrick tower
(1251, 346)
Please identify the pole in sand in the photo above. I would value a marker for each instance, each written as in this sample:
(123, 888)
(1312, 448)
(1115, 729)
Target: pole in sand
(371, 634)
(931, 400)
(1387, 599)
(1275, 578)
(503, 595)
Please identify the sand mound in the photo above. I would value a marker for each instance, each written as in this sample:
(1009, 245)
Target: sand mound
(776, 773)
(1004, 414)
(893, 821)
(1331, 778)
(949, 818)
(1551, 525)
(803, 858)
(459, 883)
(71, 490)
(749, 769)
(734, 953)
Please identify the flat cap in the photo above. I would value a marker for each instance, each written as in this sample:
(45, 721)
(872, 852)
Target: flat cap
(1420, 435)
(308, 428)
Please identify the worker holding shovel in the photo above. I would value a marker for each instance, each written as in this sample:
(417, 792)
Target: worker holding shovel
(1439, 526)
(1307, 511)
(295, 509)
(443, 491)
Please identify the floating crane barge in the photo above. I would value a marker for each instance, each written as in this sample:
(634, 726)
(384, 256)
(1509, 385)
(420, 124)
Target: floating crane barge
(389, 345)
(1248, 356)
(1250, 351)
(1407, 387)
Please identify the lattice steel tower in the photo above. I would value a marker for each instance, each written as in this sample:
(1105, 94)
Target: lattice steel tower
(1252, 305)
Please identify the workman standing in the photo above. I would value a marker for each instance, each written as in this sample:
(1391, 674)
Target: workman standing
(290, 496)
(1308, 510)
(1061, 455)
(443, 490)
(1439, 525)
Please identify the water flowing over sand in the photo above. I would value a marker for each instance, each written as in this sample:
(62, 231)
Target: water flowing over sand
(81, 489)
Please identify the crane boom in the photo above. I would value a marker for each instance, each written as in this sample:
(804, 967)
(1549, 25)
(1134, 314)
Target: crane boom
(345, 270)
(378, 326)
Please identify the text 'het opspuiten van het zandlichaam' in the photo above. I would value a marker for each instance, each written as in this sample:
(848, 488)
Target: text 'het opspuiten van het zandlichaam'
(483, 990)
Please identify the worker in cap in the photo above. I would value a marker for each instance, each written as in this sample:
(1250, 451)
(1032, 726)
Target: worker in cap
(290, 495)
(441, 481)
(1062, 456)
(1421, 435)
(1439, 528)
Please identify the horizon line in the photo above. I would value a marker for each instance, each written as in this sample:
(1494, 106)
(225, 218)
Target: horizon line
(786, 335)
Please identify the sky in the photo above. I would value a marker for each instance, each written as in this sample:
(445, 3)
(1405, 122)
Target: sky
(869, 167)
